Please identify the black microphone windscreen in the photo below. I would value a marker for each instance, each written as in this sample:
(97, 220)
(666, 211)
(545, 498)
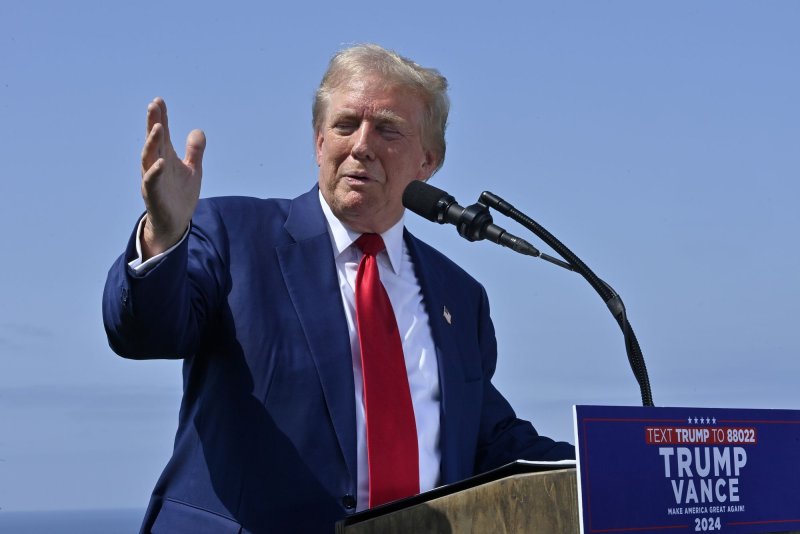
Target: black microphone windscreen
(422, 199)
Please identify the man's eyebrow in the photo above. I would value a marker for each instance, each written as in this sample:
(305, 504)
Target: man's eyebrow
(344, 112)
(388, 115)
(379, 114)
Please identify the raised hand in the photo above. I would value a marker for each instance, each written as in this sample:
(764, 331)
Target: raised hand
(170, 186)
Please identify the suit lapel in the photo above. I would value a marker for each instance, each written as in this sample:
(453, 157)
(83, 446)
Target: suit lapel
(309, 272)
(436, 294)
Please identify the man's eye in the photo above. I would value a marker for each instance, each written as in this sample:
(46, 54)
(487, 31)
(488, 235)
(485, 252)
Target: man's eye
(345, 126)
(390, 132)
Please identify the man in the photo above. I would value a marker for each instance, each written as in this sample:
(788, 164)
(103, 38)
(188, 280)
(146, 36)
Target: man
(289, 332)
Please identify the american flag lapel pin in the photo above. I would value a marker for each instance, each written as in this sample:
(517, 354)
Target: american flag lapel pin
(447, 316)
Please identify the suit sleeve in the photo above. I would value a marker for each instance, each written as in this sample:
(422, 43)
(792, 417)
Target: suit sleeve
(162, 312)
(503, 437)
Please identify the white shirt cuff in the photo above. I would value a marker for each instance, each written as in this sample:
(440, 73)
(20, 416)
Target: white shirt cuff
(141, 267)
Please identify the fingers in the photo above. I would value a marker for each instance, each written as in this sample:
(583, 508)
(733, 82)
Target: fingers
(154, 135)
(150, 175)
(153, 116)
(157, 142)
(157, 114)
(153, 147)
(195, 147)
(162, 106)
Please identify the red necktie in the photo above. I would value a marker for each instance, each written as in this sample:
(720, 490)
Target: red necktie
(392, 449)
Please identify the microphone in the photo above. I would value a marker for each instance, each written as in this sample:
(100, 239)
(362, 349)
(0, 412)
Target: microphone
(473, 222)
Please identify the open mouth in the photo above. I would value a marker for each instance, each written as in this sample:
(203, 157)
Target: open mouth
(358, 177)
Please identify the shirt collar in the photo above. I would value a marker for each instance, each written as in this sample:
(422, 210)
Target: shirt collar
(342, 236)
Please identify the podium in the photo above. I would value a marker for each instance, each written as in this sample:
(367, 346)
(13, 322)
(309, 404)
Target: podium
(505, 501)
(540, 502)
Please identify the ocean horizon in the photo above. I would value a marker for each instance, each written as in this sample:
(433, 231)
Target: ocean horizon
(109, 521)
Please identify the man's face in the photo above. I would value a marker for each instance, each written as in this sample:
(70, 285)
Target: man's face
(369, 148)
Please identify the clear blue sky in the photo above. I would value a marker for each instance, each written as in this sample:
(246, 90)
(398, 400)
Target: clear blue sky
(659, 140)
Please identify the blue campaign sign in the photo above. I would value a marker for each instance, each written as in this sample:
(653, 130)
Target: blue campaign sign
(644, 469)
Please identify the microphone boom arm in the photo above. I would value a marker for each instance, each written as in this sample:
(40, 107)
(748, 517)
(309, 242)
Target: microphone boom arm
(606, 292)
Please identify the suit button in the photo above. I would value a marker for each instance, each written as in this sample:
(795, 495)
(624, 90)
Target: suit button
(349, 502)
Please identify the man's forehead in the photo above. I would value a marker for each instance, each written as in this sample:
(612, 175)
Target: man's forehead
(376, 90)
(377, 98)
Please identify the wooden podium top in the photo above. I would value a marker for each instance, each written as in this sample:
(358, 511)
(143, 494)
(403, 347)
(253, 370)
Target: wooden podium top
(507, 500)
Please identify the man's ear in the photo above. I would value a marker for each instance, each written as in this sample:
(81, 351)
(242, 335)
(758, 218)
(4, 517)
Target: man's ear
(318, 140)
(428, 166)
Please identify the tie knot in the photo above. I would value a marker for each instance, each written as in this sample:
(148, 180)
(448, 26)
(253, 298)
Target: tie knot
(370, 244)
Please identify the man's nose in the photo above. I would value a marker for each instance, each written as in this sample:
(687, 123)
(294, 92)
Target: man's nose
(363, 146)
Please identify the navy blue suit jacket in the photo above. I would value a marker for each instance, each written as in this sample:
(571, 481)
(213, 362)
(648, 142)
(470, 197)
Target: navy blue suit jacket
(266, 440)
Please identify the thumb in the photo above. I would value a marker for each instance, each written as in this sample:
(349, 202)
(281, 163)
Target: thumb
(195, 146)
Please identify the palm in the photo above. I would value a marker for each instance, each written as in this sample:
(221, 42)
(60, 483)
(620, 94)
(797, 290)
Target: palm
(170, 186)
